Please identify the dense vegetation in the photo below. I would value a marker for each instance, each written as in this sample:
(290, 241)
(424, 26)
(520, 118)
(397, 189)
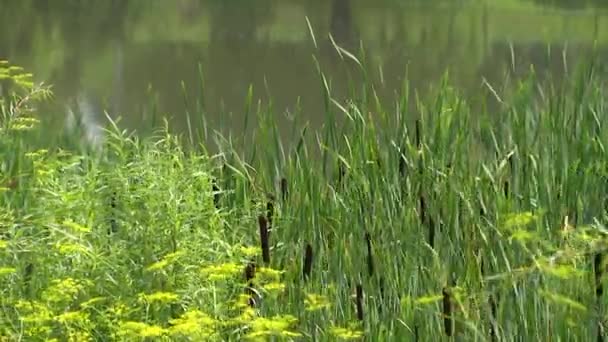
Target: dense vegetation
(434, 221)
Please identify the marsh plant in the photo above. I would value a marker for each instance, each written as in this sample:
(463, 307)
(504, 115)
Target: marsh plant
(427, 220)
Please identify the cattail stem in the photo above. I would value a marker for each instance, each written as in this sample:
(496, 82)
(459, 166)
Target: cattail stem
(370, 257)
(308, 258)
(263, 223)
(360, 302)
(447, 312)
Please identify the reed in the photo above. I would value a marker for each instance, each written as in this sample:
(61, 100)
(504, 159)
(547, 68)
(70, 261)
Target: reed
(516, 268)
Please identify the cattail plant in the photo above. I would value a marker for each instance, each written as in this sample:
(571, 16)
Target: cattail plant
(249, 288)
(382, 296)
(308, 259)
(428, 221)
(341, 173)
(270, 210)
(448, 323)
(370, 257)
(216, 193)
(264, 238)
(284, 188)
(113, 223)
(598, 263)
(402, 165)
(359, 299)
(492, 303)
(598, 271)
(418, 134)
(27, 277)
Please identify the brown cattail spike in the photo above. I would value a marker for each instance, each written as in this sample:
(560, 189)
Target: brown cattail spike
(598, 268)
(27, 277)
(249, 276)
(492, 303)
(270, 210)
(113, 223)
(284, 189)
(263, 223)
(341, 173)
(447, 312)
(382, 297)
(370, 257)
(422, 210)
(308, 258)
(360, 302)
(418, 134)
(402, 165)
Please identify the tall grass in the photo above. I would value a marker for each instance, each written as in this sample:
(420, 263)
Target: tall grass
(435, 221)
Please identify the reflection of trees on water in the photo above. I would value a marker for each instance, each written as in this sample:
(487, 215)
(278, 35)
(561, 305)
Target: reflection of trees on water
(342, 26)
(85, 30)
(248, 42)
(238, 20)
(573, 4)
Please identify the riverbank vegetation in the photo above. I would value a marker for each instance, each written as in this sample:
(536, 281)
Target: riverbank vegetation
(435, 221)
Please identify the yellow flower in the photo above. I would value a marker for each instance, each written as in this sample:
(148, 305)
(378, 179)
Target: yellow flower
(345, 333)
(7, 270)
(222, 271)
(33, 312)
(76, 227)
(274, 287)
(72, 317)
(269, 273)
(165, 261)
(92, 301)
(64, 289)
(316, 302)
(275, 326)
(193, 324)
(161, 297)
(250, 251)
(67, 248)
(141, 329)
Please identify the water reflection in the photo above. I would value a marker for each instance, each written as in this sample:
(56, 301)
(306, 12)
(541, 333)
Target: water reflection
(131, 56)
(82, 119)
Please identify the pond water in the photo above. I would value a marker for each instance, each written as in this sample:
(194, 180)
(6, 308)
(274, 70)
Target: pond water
(137, 58)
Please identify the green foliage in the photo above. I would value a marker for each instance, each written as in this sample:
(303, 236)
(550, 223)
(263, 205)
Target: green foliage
(419, 223)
